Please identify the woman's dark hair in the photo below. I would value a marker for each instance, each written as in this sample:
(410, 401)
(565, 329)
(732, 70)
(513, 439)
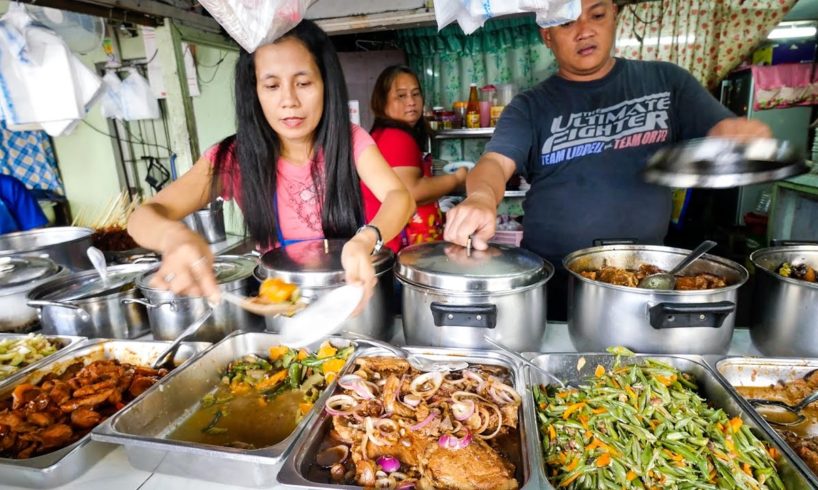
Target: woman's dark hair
(256, 147)
(380, 97)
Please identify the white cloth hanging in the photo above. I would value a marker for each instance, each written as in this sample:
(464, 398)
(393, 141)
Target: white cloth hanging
(43, 85)
(137, 99)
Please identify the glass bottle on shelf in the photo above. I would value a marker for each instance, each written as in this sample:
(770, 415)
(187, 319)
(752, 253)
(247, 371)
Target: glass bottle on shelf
(473, 108)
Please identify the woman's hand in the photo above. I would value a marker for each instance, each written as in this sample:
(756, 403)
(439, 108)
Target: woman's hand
(356, 258)
(187, 265)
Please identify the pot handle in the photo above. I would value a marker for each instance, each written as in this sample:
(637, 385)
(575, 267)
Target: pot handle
(147, 304)
(478, 316)
(778, 242)
(601, 242)
(685, 315)
(40, 303)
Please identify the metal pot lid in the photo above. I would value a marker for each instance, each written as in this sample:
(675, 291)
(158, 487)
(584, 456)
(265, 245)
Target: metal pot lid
(443, 265)
(720, 163)
(20, 270)
(314, 263)
(227, 268)
(88, 285)
(40, 238)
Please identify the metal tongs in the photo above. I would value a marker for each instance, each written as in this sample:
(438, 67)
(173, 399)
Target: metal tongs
(780, 408)
(417, 362)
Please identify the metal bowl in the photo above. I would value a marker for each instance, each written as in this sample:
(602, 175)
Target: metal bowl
(64, 245)
(720, 163)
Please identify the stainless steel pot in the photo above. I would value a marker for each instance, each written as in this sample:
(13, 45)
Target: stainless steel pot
(20, 274)
(169, 314)
(601, 315)
(83, 304)
(64, 245)
(452, 298)
(315, 266)
(785, 310)
(208, 222)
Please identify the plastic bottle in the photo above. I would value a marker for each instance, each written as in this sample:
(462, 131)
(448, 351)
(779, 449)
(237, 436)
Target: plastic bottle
(473, 108)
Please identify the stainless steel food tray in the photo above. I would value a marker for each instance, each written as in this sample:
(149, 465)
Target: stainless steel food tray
(753, 371)
(68, 342)
(143, 427)
(711, 387)
(296, 467)
(66, 464)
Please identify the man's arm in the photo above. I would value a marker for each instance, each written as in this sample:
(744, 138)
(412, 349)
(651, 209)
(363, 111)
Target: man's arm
(476, 216)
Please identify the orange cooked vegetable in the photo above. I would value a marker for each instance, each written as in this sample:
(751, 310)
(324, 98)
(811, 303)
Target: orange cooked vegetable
(275, 290)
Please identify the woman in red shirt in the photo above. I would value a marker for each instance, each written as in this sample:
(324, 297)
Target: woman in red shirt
(400, 133)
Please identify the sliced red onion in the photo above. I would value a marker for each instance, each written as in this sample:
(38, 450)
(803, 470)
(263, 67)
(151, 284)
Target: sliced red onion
(417, 385)
(505, 391)
(412, 400)
(462, 410)
(407, 485)
(370, 432)
(474, 377)
(425, 421)
(449, 441)
(356, 383)
(388, 463)
(340, 405)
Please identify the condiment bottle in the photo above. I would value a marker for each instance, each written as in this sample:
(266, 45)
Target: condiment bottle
(487, 98)
(473, 108)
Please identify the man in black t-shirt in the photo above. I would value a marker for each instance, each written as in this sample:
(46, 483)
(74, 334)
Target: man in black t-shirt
(581, 138)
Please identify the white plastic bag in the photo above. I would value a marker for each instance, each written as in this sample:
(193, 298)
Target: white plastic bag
(252, 23)
(136, 96)
(110, 104)
(472, 14)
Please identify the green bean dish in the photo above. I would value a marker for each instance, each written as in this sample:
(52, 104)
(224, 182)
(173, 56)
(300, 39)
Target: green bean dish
(645, 426)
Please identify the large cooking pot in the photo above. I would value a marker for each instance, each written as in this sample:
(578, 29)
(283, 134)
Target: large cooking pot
(83, 304)
(453, 298)
(66, 245)
(169, 314)
(315, 266)
(785, 310)
(20, 274)
(601, 315)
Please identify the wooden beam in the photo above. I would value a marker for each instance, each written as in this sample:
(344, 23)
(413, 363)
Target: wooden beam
(98, 11)
(209, 39)
(181, 121)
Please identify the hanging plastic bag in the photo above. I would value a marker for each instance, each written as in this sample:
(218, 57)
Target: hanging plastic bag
(472, 14)
(110, 103)
(136, 96)
(252, 23)
(553, 12)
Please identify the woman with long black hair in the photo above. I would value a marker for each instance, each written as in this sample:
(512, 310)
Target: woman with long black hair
(295, 166)
(400, 133)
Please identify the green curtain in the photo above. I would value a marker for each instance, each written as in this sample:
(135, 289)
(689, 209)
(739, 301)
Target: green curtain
(503, 51)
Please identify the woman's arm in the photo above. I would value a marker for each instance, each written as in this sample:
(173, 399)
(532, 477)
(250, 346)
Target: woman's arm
(429, 189)
(187, 262)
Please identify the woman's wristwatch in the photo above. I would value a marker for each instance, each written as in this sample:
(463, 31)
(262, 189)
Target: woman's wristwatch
(378, 242)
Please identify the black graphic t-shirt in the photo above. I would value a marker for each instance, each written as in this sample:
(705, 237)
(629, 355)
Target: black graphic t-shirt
(582, 147)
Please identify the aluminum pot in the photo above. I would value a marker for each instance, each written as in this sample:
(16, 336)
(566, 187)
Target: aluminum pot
(601, 315)
(315, 266)
(83, 304)
(19, 274)
(453, 297)
(785, 310)
(208, 222)
(169, 314)
(64, 245)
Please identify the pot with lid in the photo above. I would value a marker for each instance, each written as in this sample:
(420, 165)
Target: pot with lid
(83, 304)
(453, 298)
(19, 274)
(64, 245)
(170, 314)
(315, 266)
(601, 315)
(785, 309)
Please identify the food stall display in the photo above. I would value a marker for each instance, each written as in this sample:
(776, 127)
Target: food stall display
(24, 351)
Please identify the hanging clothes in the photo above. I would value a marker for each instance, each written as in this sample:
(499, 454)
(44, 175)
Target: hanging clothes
(43, 85)
(29, 157)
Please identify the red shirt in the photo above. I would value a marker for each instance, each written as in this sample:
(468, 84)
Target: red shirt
(400, 150)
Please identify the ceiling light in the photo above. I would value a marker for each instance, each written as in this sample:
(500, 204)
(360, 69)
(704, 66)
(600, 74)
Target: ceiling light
(785, 31)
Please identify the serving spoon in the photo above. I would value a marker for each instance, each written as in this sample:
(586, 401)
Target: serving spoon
(792, 411)
(97, 259)
(174, 346)
(261, 308)
(667, 280)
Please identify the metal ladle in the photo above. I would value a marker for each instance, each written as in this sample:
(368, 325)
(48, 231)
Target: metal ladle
(788, 410)
(524, 360)
(174, 346)
(97, 259)
(667, 280)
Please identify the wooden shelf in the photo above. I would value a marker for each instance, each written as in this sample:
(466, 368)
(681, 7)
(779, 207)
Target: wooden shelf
(464, 133)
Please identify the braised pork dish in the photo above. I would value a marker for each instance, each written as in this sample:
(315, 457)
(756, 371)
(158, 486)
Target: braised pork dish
(804, 272)
(396, 427)
(62, 408)
(630, 278)
(803, 437)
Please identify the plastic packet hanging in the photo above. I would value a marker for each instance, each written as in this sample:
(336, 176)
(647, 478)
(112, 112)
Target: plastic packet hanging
(109, 102)
(136, 96)
(472, 14)
(252, 23)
